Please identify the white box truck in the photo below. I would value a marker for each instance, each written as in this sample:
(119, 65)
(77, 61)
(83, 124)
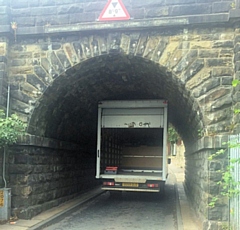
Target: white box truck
(132, 145)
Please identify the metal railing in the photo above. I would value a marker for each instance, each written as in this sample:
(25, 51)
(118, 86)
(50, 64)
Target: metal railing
(234, 153)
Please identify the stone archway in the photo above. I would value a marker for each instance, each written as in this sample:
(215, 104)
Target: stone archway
(57, 94)
(68, 108)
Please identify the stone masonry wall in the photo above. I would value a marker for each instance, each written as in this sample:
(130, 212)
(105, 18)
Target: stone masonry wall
(58, 12)
(44, 173)
(236, 96)
(201, 177)
(201, 59)
(196, 181)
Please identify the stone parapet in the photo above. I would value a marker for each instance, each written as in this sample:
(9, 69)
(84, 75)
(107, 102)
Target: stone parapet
(44, 173)
(201, 181)
(50, 17)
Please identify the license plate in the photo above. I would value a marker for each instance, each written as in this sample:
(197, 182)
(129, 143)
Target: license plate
(130, 184)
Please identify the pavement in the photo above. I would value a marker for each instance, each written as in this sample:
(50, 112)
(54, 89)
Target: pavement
(186, 218)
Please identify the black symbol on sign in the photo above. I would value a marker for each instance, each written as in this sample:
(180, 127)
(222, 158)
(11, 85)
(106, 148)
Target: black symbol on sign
(114, 4)
(113, 12)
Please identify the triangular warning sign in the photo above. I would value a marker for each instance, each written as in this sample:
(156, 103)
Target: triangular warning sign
(114, 10)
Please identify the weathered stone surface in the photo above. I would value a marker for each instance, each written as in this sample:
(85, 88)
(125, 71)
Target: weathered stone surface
(222, 6)
(190, 9)
(94, 6)
(82, 17)
(142, 3)
(214, 166)
(208, 53)
(219, 62)
(41, 73)
(196, 66)
(223, 44)
(199, 78)
(69, 9)
(157, 12)
(186, 61)
(207, 86)
(226, 53)
(28, 213)
(227, 100)
(58, 78)
(222, 71)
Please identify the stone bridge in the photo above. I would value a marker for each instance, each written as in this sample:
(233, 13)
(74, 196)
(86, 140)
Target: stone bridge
(57, 61)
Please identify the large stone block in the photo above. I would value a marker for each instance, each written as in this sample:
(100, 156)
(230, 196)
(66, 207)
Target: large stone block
(82, 17)
(4, 20)
(21, 201)
(47, 2)
(142, 3)
(4, 10)
(4, 2)
(215, 166)
(20, 4)
(196, 66)
(223, 44)
(179, 2)
(222, 71)
(218, 7)
(207, 53)
(20, 169)
(36, 82)
(94, 6)
(157, 12)
(18, 179)
(70, 9)
(26, 21)
(190, 9)
(30, 212)
(221, 62)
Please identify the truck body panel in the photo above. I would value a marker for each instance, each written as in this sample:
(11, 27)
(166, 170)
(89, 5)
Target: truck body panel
(132, 145)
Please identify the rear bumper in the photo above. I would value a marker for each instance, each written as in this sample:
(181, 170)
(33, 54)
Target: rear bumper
(131, 189)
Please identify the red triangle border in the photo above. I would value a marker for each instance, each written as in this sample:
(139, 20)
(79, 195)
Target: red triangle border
(114, 18)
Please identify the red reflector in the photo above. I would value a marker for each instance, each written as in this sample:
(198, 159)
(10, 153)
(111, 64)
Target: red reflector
(111, 168)
(152, 185)
(109, 183)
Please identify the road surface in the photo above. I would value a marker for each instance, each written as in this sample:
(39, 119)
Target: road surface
(129, 211)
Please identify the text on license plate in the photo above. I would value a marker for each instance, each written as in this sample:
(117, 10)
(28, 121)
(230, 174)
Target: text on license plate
(130, 184)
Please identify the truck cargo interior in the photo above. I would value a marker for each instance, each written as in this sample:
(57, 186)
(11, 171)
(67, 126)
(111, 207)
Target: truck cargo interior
(132, 150)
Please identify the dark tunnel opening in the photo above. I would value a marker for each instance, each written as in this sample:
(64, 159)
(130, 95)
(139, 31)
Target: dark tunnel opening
(68, 109)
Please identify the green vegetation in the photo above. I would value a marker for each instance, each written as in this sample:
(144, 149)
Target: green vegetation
(173, 135)
(228, 186)
(10, 128)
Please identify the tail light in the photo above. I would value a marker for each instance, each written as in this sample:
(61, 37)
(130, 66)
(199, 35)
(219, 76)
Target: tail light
(108, 183)
(153, 185)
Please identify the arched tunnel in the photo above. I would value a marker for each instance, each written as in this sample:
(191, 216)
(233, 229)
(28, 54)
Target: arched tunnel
(67, 113)
(68, 109)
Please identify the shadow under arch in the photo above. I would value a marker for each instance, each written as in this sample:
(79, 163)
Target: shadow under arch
(68, 108)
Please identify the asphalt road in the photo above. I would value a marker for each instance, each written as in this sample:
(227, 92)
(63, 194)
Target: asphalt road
(129, 211)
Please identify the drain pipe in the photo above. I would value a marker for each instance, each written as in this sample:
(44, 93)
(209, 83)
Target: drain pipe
(4, 148)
